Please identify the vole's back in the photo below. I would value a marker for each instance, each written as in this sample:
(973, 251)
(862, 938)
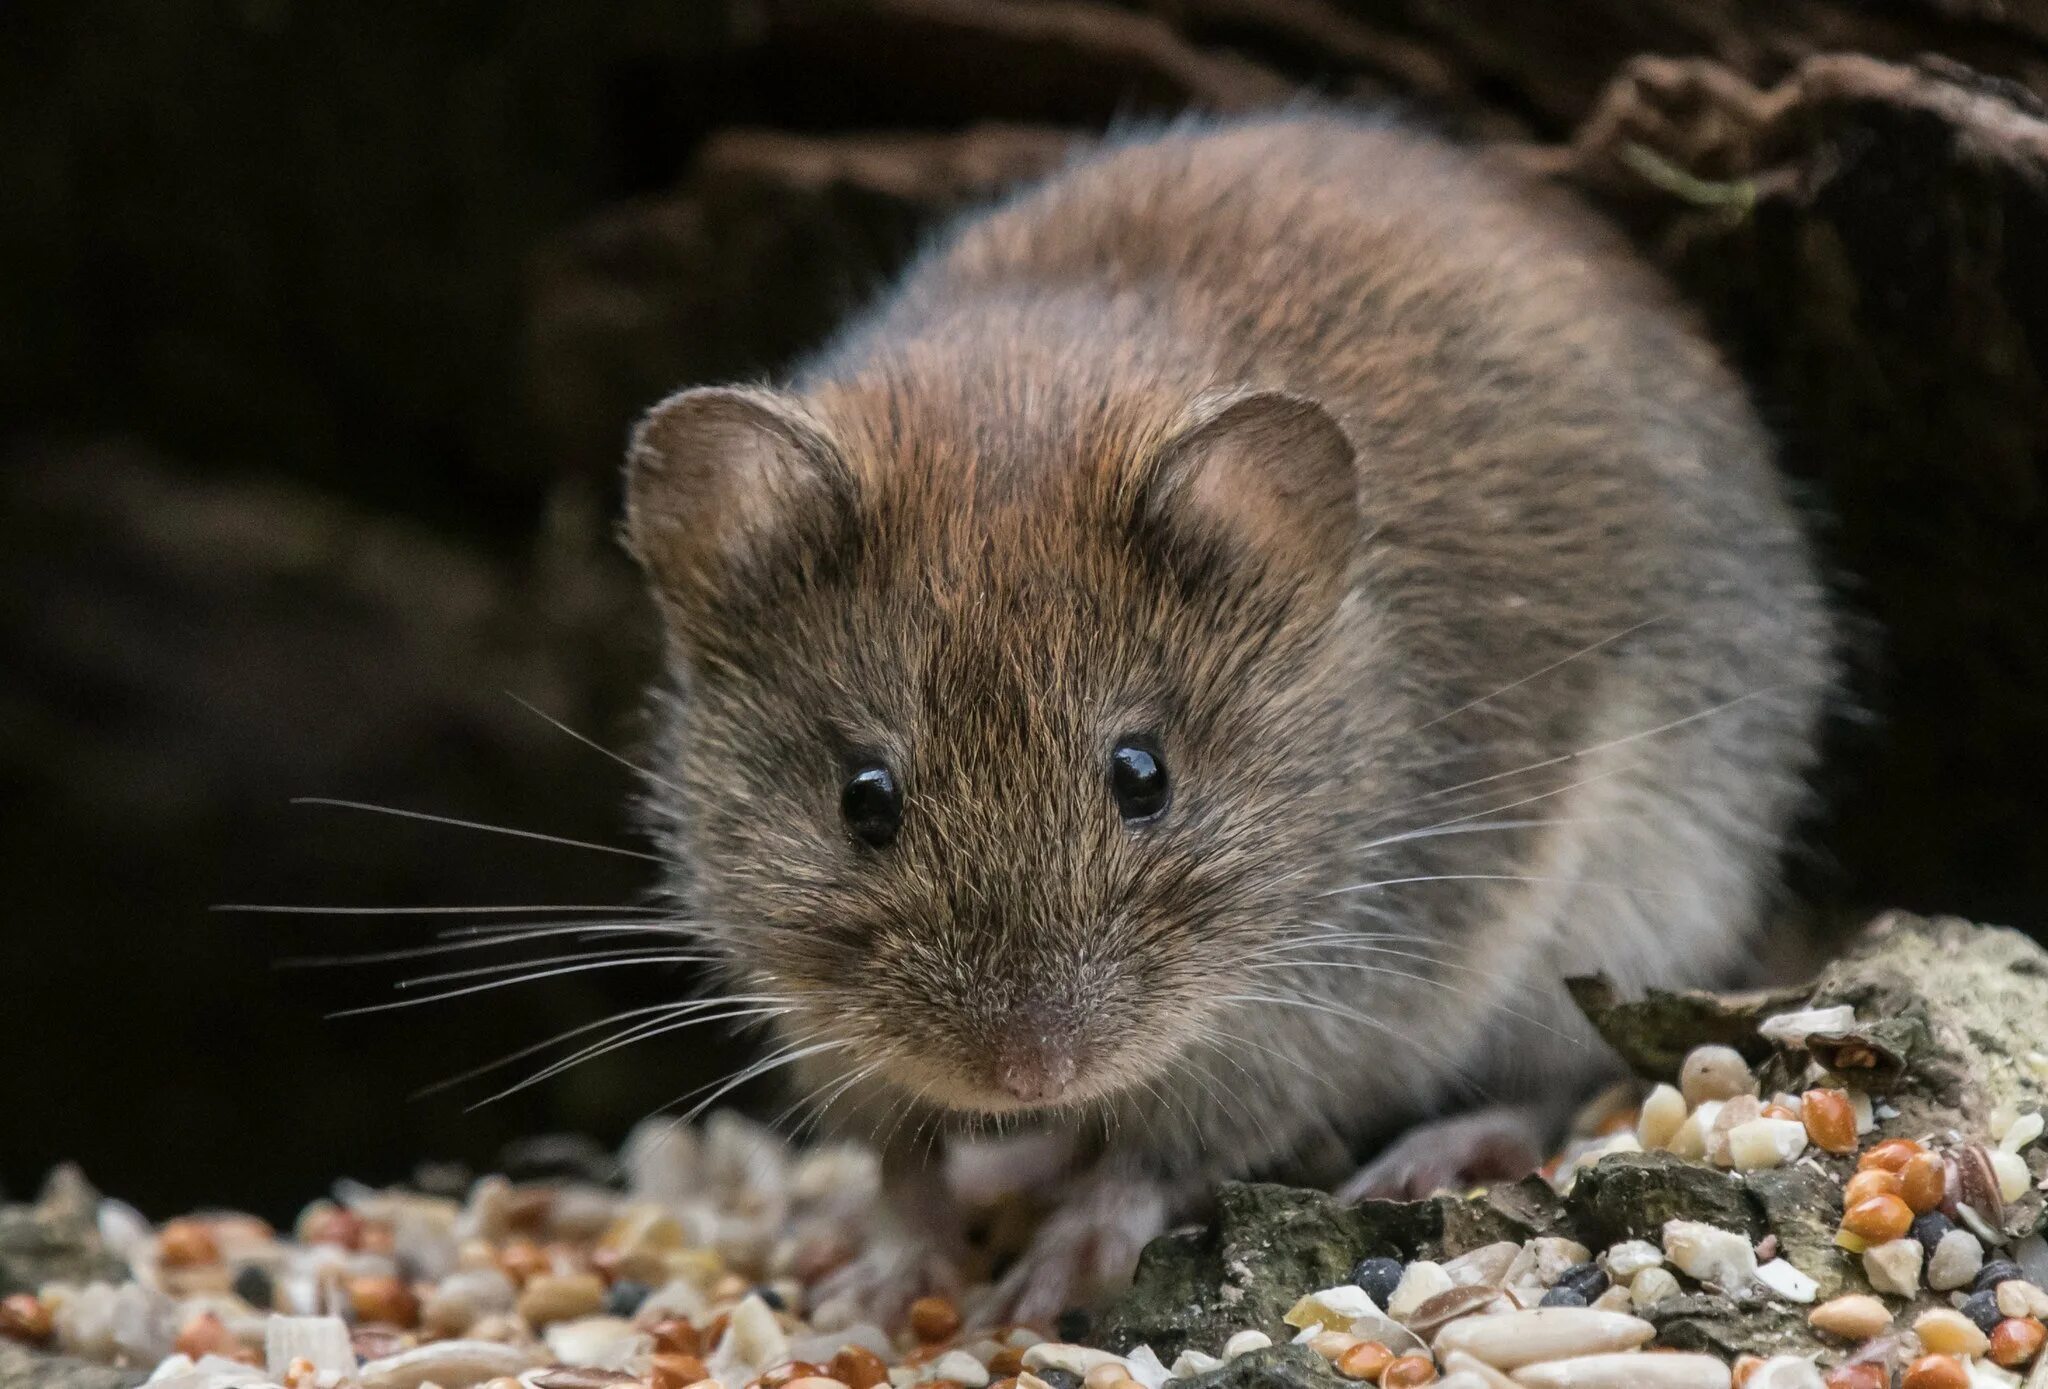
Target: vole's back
(1586, 646)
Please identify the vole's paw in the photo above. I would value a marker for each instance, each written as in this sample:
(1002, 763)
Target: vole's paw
(1499, 1143)
(1087, 1247)
(894, 1270)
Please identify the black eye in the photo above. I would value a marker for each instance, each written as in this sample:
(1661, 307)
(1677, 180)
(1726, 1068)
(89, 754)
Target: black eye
(1137, 777)
(872, 805)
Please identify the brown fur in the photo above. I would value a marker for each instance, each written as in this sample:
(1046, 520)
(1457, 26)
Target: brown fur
(1299, 443)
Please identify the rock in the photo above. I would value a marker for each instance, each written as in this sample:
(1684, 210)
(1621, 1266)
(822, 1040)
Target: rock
(26, 1369)
(1630, 1196)
(1803, 1208)
(1267, 1245)
(55, 1240)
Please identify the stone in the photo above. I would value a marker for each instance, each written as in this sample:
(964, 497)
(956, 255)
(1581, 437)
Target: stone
(55, 1240)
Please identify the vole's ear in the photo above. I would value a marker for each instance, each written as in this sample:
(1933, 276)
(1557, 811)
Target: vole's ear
(1255, 477)
(732, 491)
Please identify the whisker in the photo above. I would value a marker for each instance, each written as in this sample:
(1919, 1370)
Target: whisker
(651, 955)
(529, 909)
(596, 746)
(336, 803)
(760, 1068)
(1539, 674)
(1503, 878)
(586, 930)
(478, 988)
(641, 1032)
(555, 1040)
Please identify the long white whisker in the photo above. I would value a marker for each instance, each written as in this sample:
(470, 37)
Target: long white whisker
(1539, 674)
(556, 1040)
(652, 955)
(528, 909)
(1503, 878)
(640, 1033)
(486, 987)
(337, 803)
(584, 930)
(596, 746)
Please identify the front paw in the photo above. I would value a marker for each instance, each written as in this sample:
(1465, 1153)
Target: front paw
(880, 1283)
(1501, 1143)
(1085, 1249)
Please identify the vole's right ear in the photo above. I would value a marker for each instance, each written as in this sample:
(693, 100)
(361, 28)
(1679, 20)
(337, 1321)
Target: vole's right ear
(731, 491)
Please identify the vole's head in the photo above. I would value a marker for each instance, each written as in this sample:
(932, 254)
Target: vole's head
(998, 746)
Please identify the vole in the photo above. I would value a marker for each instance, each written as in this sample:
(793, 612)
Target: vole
(1191, 670)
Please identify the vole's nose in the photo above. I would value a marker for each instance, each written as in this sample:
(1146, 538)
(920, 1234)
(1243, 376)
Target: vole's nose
(1035, 1070)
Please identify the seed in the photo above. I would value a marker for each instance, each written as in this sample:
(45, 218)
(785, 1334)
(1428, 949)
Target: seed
(1892, 1155)
(1873, 1182)
(1662, 1113)
(1364, 1360)
(677, 1336)
(1930, 1228)
(1878, 1219)
(1510, 1340)
(1745, 1366)
(1936, 1372)
(1006, 1362)
(1956, 1262)
(1830, 1120)
(1407, 1372)
(2018, 1298)
(1714, 1073)
(1924, 1180)
(1982, 1308)
(382, 1299)
(2012, 1173)
(206, 1334)
(1774, 1110)
(812, 1382)
(182, 1243)
(933, 1319)
(522, 1260)
(553, 1297)
(1856, 1317)
(23, 1317)
(1106, 1375)
(326, 1223)
(1948, 1332)
(1859, 1376)
(2017, 1340)
(1332, 1344)
(858, 1368)
(673, 1371)
(1763, 1143)
(1379, 1278)
(1661, 1370)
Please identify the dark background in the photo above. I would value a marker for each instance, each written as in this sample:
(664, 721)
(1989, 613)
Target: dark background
(320, 327)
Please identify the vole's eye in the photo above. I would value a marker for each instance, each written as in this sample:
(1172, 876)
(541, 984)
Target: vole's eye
(1137, 778)
(872, 805)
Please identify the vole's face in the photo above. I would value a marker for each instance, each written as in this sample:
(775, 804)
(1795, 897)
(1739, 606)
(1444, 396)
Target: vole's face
(996, 798)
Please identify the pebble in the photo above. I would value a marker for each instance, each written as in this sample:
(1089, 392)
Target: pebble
(1761, 1144)
(2014, 1180)
(1855, 1317)
(1332, 1309)
(2024, 1130)
(1956, 1261)
(1589, 1280)
(321, 1341)
(1651, 1287)
(1633, 1371)
(1948, 1332)
(963, 1369)
(1564, 1297)
(1714, 1073)
(1894, 1266)
(1378, 1277)
(624, 1297)
(609, 1343)
(1625, 1260)
(1245, 1342)
(1510, 1340)
(1994, 1272)
(1784, 1372)
(1710, 1254)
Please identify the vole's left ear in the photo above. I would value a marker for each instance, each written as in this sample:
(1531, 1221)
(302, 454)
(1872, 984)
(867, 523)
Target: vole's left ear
(1267, 476)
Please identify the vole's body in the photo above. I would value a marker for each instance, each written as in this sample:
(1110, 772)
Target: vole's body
(1510, 674)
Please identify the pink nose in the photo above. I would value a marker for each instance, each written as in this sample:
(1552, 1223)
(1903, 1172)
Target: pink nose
(1035, 1074)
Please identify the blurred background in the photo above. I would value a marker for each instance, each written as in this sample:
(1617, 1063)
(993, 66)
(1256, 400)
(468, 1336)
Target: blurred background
(321, 326)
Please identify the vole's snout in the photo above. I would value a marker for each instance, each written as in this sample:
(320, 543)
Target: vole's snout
(1034, 1068)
